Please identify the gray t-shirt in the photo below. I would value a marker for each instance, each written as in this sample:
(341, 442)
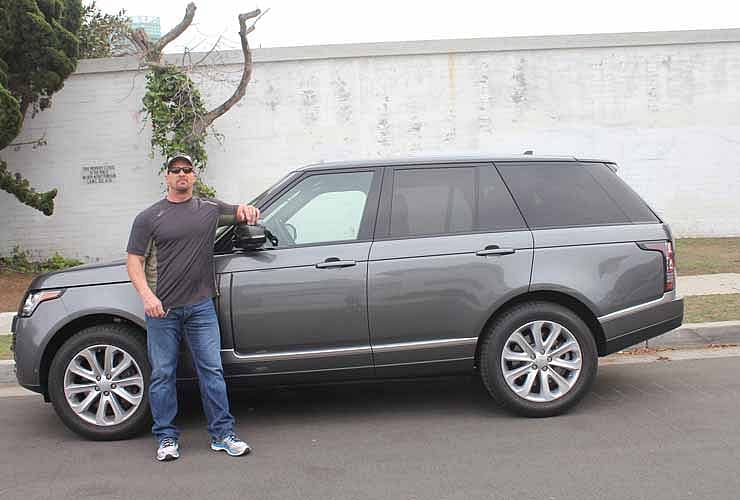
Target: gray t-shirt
(176, 240)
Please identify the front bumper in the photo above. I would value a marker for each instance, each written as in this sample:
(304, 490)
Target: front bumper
(633, 325)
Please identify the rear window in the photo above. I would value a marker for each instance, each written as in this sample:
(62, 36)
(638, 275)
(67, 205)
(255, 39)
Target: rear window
(560, 194)
(628, 200)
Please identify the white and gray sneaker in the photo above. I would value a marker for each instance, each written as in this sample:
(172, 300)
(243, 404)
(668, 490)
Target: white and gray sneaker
(169, 449)
(231, 444)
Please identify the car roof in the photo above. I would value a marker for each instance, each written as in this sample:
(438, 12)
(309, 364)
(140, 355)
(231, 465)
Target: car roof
(437, 159)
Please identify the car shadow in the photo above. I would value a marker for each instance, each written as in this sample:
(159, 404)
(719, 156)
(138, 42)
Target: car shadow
(400, 398)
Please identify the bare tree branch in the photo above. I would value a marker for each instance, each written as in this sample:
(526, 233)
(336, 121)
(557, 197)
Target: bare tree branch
(140, 40)
(35, 143)
(209, 118)
(208, 53)
(176, 31)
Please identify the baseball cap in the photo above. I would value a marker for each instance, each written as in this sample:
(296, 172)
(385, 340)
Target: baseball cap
(179, 156)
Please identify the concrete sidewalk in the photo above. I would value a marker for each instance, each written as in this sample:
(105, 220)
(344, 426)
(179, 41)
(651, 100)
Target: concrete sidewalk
(708, 284)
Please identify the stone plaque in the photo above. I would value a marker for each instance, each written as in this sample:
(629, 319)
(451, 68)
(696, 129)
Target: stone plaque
(99, 174)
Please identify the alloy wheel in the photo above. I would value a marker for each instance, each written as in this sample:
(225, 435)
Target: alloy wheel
(541, 361)
(103, 385)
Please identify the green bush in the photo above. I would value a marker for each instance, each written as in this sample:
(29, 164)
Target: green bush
(21, 262)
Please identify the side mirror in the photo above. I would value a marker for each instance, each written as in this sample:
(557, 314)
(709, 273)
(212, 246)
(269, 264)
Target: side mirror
(249, 237)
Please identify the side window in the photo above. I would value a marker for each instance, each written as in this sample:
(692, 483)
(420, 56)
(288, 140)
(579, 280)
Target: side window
(432, 201)
(449, 200)
(627, 199)
(560, 194)
(321, 208)
(497, 210)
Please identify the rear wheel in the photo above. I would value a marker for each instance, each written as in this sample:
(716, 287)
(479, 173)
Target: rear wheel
(98, 382)
(538, 359)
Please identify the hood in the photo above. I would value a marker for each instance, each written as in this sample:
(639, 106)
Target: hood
(89, 274)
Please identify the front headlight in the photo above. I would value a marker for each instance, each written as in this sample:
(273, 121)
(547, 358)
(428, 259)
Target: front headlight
(35, 298)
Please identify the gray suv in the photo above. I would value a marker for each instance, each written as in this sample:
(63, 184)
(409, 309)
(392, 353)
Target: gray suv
(524, 270)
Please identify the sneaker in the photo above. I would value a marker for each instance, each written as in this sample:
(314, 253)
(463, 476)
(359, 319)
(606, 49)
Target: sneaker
(168, 450)
(231, 444)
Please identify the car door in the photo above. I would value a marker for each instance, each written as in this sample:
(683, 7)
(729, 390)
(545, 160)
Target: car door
(300, 307)
(450, 247)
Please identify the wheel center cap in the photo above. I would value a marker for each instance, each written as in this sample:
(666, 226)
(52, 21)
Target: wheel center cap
(540, 361)
(104, 385)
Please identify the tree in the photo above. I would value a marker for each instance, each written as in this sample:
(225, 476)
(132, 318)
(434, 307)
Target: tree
(38, 51)
(180, 121)
(103, 35)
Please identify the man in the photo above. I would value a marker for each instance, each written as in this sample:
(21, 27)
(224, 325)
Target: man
(170, 263)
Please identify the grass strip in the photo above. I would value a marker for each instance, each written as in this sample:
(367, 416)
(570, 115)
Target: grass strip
(706, 308)
(707, 256)
(5, 347)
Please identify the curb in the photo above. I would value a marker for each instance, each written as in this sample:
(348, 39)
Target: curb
(688, 336)
(7, 372)
(6, 321)
(697, 335)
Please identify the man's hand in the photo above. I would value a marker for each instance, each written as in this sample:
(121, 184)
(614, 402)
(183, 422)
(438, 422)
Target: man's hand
(135, 267)
(153, 306)
(247, 213)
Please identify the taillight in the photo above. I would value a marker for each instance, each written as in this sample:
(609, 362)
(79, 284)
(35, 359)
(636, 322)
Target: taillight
(669, 260)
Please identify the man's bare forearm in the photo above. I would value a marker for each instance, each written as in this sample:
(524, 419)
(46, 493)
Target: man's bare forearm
(135, 268)
(152, 304)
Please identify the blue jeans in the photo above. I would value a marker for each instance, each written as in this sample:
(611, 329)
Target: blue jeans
(199, 325)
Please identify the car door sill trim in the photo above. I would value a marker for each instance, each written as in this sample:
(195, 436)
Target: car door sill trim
(425, 344)
(432, 361)
(307, 354)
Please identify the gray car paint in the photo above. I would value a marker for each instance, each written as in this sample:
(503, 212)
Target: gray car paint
(559, 256)
(290, 315)
(613, 272)
(425, 290)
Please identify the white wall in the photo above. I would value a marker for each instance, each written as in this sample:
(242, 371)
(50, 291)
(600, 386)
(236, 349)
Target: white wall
(664, 106)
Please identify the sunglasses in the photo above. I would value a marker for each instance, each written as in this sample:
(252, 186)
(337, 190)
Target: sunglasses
(177, 170)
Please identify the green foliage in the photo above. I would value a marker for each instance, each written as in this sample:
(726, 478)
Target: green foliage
(38, 44)
(38, 51)
(103, 35)
(10, 117)
(173, 104)
(21, 262)
(16, 185)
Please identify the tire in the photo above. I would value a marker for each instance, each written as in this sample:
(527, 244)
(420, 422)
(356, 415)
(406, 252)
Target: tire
(568, 374)
(124, 397)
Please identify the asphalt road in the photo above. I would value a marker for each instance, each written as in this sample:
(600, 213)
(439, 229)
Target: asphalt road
(662, 430)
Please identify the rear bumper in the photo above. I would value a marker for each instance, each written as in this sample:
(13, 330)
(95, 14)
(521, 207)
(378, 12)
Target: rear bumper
(635, 324)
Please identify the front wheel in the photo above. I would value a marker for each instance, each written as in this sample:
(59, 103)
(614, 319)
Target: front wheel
(538, 359)
(98, 382)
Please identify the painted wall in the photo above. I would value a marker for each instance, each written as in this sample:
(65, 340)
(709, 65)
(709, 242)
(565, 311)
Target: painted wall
(664, 106)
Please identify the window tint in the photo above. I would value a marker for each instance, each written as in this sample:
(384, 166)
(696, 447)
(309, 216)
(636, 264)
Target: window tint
(627, 199)
(450, 200)
(497, 210)
(320, 209)
(560, 194)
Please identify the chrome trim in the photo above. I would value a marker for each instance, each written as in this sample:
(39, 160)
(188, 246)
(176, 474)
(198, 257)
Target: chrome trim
(346, 351)
(425, 344)
(295, 372)
(307, 354)
(428, 362)
(667, 297)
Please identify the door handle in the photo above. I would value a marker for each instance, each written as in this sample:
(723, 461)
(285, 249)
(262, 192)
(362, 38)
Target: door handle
(332, 262)
(494, 250)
